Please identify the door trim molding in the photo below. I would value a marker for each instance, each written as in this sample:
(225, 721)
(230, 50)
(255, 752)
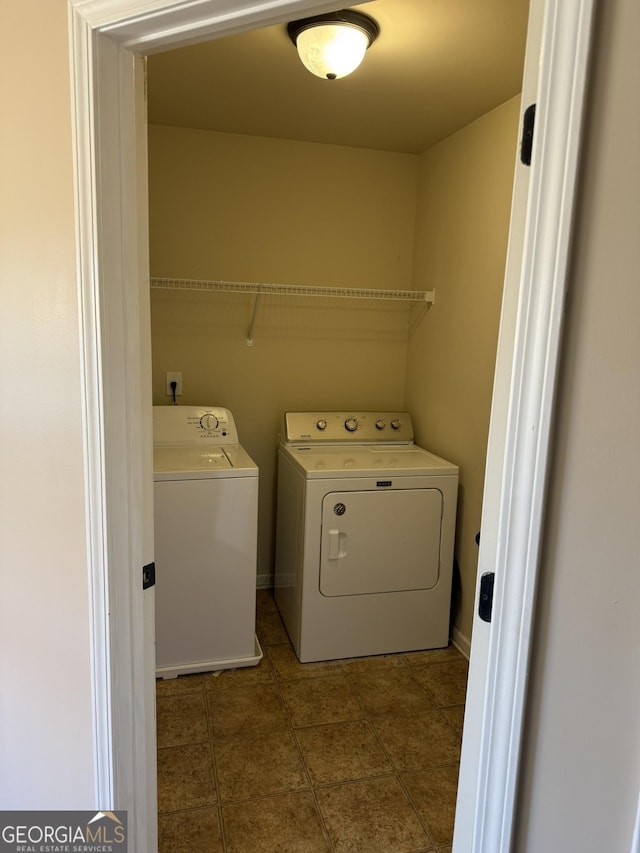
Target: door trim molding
(83, 130)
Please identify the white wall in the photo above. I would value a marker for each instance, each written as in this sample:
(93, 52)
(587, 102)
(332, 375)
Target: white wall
(45, 700)
(582, 739)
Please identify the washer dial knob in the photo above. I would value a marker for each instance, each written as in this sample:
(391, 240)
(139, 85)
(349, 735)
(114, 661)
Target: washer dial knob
(209, 421)
(380, 423)
(395, 424)
(351, 424)
(321, 424)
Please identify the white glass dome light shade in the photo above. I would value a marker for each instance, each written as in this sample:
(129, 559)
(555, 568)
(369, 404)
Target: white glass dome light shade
(332, 45)
(332, 51)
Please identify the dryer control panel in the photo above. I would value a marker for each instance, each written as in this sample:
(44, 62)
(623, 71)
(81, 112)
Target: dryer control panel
(348, 427)
(175, 426)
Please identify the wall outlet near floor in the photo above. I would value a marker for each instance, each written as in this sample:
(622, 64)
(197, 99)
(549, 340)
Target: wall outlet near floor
(177, 378)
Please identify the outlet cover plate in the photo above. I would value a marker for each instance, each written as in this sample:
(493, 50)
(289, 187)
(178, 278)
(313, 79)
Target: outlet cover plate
(177, 378)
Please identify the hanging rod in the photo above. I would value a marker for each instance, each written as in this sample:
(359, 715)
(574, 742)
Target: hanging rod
(419, 296)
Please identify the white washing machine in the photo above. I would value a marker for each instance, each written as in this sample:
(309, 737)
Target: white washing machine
(365, 532)
(206, 521)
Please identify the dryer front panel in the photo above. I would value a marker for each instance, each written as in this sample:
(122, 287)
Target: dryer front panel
(380, 541)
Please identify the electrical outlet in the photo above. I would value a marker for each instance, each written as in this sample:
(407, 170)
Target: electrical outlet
(177, 378)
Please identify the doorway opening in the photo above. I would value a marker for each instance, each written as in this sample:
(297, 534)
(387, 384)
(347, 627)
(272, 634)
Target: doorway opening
(224, 205)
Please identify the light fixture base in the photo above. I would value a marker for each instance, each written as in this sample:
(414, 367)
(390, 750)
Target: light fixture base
(353, 19)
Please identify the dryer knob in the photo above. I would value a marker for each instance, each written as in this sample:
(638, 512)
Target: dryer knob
(351, 424)
(208, 421)
(395, 424)
(321, 424)
(380, 424)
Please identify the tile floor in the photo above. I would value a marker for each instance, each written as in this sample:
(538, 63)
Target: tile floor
(354, 756)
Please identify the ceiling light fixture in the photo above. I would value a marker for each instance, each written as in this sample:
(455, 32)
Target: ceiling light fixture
(334, 44)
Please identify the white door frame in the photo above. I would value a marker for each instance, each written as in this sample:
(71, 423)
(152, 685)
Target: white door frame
(521, 415)
(107, 38)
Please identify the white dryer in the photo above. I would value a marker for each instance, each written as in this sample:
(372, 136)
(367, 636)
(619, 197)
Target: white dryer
(206, 520)
(365, 533)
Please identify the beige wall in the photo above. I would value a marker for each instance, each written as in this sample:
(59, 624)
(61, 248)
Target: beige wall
(582, 742)
(247, 208)
(244, 208)
(460, 249)
(46, 738)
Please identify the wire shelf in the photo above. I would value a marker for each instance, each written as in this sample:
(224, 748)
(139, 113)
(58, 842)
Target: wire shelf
(257, 290)
(263, 289)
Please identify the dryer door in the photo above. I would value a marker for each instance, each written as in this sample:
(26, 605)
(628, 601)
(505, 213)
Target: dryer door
(380, 541)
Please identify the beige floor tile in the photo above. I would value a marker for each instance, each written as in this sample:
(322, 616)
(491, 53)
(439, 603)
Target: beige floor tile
(353, 665)
(342, 752)
(181, 685)
(454, 715)
(389, 691)
(265, 602)
(244, 676)
(240, 710)
(258, 765)
(270, 629)
(446, 655)
(419, 741)
(286, 824)
(320, 700)
(185, 777)
(288, 667)
(373, 816)
(181, 719)
(434, 795)
(445, 683)
(190, 832)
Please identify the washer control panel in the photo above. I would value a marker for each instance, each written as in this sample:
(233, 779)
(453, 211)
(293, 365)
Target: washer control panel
(350, 426)
(175, 426)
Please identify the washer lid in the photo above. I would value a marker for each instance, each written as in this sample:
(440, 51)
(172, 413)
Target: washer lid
(192, 463)
(196, 459)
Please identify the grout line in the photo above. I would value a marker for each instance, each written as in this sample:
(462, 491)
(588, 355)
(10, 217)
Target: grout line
(325, 828)
(216, 778)
(422, 822)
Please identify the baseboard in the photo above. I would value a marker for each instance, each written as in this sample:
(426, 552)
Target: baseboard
(461, 642)
(264, 581)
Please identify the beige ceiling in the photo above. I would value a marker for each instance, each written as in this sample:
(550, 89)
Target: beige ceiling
(436, 66)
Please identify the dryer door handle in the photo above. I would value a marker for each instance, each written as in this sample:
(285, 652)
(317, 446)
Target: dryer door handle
(336, 540)
(334, 544)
